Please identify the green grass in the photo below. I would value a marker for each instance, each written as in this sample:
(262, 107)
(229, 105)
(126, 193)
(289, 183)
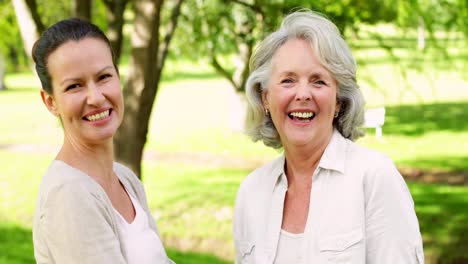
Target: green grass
(443, 218)
(430, 136)
(15, 244)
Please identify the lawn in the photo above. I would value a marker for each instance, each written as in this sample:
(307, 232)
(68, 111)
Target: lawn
(196, 157)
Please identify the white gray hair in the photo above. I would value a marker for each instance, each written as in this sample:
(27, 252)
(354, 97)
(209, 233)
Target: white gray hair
(332, 52)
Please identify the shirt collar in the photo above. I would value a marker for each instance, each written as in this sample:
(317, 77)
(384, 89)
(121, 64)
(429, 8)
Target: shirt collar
(334, 156)
(277, 171)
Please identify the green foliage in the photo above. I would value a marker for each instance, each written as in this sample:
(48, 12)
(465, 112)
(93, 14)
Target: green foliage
(215, 26)
(11, 46)
(211, 27)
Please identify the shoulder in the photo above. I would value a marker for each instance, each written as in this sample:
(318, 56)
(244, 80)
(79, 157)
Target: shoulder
(127, 177)
(131, 182)
(263, 177)
(380, 174)
(67, 182)
(256, 189)
(370, 160)
(126, 174)
(66, 192)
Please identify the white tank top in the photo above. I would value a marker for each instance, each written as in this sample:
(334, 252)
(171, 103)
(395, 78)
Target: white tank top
(289, 248)
(142, 244)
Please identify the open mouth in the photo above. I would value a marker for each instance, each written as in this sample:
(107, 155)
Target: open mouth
(98, 116)
(301, 116)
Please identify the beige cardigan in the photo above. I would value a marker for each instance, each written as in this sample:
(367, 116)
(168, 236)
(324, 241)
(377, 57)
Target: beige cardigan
(74, 220)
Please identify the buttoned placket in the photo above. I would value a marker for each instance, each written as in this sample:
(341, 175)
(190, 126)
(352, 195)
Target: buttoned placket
(276, 218)
(312, 223)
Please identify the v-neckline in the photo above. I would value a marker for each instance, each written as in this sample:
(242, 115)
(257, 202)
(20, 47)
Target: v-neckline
(134, 207)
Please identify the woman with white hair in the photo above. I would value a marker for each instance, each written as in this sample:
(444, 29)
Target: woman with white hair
(326, 199)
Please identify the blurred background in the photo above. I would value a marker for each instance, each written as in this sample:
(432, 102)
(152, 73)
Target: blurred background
(183, 67)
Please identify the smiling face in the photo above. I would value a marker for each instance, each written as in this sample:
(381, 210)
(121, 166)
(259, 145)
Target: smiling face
(86, 90)
(300, 96)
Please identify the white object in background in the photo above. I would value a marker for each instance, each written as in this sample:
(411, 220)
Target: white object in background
(375, 118)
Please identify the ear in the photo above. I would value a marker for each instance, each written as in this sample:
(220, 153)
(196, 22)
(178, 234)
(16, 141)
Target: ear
(49, 102)
(264, 100)
(338, 104)
(338, 107)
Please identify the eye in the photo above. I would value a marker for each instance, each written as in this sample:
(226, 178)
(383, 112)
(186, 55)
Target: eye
(104, 76)
(72, 86)
(320, 82)
(287, 81)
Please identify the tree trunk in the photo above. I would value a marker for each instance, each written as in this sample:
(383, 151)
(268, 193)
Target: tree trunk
(242, 69)
(2, 72)
(115, 19)
(32, 5)
(146, 63)
(27, 26)
(421, 34)
(82, 9)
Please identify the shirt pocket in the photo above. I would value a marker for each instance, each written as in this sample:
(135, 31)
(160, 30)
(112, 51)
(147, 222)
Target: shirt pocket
(246, 252)
(346, 247)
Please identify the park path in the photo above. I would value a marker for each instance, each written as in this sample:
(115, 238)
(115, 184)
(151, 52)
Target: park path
(212, 160)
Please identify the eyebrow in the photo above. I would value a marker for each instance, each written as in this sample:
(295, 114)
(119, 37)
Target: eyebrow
(76, 79)
(315, 75)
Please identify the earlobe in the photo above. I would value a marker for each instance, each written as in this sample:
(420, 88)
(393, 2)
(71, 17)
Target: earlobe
(338, 106)
(264, 100)
(49, 102)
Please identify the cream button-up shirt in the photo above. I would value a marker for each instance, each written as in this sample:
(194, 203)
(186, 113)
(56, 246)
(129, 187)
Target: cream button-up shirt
(361, 211)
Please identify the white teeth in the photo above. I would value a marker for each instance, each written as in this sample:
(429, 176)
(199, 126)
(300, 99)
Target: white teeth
(302, 114)
(98, 116)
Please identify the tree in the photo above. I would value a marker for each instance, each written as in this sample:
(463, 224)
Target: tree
(150, 44)
(82, 9)
(2, 72)
(225, 32)
(28, 26)
(115, 19)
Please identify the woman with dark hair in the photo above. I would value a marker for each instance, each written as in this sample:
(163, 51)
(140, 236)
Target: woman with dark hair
(326, 199)
(90, 209)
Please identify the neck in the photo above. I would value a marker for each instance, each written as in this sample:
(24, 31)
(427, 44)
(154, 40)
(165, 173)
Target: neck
(301, 162)
(96, 160)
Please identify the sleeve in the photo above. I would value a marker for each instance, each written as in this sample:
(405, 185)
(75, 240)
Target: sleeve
(76, 229)
(237, 225)
(392, 229)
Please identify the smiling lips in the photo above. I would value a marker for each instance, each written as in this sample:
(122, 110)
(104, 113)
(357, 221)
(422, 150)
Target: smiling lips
(98, 116)
(301, 116)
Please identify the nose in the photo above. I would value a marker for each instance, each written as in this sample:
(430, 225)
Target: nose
(303, 92)
(94, 95)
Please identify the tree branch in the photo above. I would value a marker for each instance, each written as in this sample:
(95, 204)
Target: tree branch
(109, 4)
(222, 71)
(170, 33)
